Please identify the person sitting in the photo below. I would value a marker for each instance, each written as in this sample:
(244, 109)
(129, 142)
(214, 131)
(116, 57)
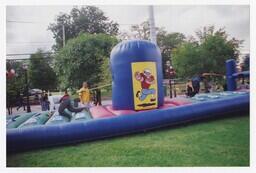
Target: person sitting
(66, 96)
(242, 85)
(68, 104)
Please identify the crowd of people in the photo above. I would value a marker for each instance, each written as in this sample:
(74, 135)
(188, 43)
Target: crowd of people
(193, 85)
(84, 99)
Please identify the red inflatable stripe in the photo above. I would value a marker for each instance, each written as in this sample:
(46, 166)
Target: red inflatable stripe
(177, 102)
(100, 112)
(119, 112)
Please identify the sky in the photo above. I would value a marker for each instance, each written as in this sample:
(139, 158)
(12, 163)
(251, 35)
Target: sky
(26, 26)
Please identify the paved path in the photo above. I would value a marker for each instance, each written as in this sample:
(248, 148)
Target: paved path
(37, 108)
(34, 108)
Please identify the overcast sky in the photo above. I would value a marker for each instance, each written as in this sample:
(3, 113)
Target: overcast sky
(27, 25)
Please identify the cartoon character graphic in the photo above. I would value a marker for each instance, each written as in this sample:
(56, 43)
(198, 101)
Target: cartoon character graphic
(146, 79)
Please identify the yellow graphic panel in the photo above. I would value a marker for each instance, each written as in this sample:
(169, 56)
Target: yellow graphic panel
(144, 80)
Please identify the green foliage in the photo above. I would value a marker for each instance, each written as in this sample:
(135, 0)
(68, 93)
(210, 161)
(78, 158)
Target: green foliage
(87, 19)
(106, 77)
(82, 58)
(41, 74)
(15, 84)
(246, 63)
(166, 41)
(207, 54)
(169, 42)
(223, 142)
(142, 31)
(183, 65)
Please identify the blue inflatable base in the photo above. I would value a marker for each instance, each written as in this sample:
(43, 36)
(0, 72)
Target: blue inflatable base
(59, 134)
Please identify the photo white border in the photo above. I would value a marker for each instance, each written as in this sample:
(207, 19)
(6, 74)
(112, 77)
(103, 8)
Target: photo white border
(252, 3)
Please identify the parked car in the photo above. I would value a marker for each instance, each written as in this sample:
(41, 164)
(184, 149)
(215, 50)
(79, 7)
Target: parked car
(34, 96)
(35, 91)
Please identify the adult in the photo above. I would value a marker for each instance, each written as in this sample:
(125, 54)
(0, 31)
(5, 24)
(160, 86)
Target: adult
(170, 74)
(67, 104)
(20, 101)
(169, 71)
(190, 89)
(9, 105)
(45, 103)
(65, 96)
(196, 84)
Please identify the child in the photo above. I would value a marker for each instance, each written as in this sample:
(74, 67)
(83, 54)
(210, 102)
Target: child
(84, 94)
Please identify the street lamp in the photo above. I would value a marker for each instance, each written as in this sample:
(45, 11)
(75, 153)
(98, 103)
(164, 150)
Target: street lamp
(25, 67)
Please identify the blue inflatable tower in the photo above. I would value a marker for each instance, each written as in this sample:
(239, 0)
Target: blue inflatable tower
(230, 70)
(129, 61)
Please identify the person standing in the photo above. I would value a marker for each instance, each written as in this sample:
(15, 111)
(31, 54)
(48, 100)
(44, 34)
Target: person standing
(170, 74)
(196, 84)
(45, 103)
(20, 101)
(190, 89)
(84, 94)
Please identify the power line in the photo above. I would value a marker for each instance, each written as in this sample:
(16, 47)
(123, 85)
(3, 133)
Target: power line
(28, 45)
(24, 22)
(34, 22)
(21, 54)
(36, 42)
(28, 58)
(15, 21)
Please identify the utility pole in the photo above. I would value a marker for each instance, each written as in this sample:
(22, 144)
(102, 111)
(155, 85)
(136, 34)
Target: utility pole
(25, 67)
(63, 35)
(152, 25)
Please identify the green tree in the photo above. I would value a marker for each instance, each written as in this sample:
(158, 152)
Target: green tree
(246, 63)
(166, 41)
(184, 59)
(16, 84)
(82, 58)
(41, 74)
(142, 31)
(89, 19)
(106, 76)
(208, 53)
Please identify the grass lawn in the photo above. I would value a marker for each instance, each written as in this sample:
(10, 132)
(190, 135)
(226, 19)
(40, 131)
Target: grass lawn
(222, 142)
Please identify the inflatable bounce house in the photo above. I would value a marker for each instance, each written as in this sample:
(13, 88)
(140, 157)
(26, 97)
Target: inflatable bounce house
(138, 104)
